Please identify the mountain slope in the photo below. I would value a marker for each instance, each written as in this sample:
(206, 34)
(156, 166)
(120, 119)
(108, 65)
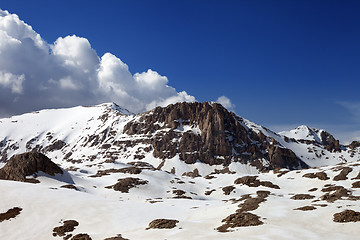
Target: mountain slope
(192, 169)
(182, 135)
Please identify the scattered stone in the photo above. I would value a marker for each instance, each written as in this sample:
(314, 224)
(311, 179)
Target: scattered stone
(313, 190)
(252, 181)
(81, 236)
(331, 188)
(338, 194)
(280, 172)
(27, 164)
(263, 194)
(343, 174)
(178, 192)
(250, 204)
(209, 192)
(227, 190)
(302, 196)
(68, 226)
(269, 184)
(192, 174)
(321, 205)
(11, 213)
(162, 224)
(142, 165)
(240, 219)
(347, 216)
(130, 170)
(223, 171)
(209, 177)
(306, 208)
(319, 175)
(69, 186)
(118, 237)
(124, 184)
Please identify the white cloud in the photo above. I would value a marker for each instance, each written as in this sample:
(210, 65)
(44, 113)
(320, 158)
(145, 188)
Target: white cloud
(179, 97)
(226, 102)
(36, 75)
(14, 82)
(68, 83)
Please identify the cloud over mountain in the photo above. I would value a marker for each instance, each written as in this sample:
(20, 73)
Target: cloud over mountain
(35, 74)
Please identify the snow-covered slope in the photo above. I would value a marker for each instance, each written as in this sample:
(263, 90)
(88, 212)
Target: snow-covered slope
(274, 205)
(202, 170)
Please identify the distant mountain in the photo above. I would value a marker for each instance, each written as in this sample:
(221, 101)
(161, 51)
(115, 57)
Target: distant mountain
(182, 133)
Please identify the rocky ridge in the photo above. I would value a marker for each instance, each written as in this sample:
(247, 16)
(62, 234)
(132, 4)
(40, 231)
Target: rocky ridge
(192, 132)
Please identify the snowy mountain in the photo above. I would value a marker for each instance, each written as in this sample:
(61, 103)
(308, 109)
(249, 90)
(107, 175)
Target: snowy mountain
(186, 134)
(185, 170)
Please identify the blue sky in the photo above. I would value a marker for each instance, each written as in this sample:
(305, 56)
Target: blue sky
(281, 63)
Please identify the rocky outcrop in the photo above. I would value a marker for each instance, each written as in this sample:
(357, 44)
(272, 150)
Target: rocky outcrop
(219, 137)
(219, 132)
(283, 157)
(27, 164)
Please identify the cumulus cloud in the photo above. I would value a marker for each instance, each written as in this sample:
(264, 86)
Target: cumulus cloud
(35, 74)
(14, 82)
(226, 102)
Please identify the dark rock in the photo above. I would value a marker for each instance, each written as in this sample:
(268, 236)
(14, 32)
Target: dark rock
(163, 223)
(269, 184)
(302, 197)
(306, 208)
(68, 226)
(227, 190)
(209, 192)
(343, 174)
(284, 158)
(250, 181)
(124, 184)
(69, 186)
(118, 237)
(319, 175)
(192, 174)
(356, 184)
(347, 216)
(242, 219)
(354, 144)
(338, 194)
(222, 134)
(26, 164)
(81, 236)
(57, 145)
(11, 213)
(178, 192)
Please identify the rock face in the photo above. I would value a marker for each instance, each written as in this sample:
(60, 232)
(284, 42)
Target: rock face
(26, 164)
(219, 137)
(284, 158)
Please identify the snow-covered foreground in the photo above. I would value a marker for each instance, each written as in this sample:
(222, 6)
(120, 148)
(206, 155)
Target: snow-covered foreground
(103, 212)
